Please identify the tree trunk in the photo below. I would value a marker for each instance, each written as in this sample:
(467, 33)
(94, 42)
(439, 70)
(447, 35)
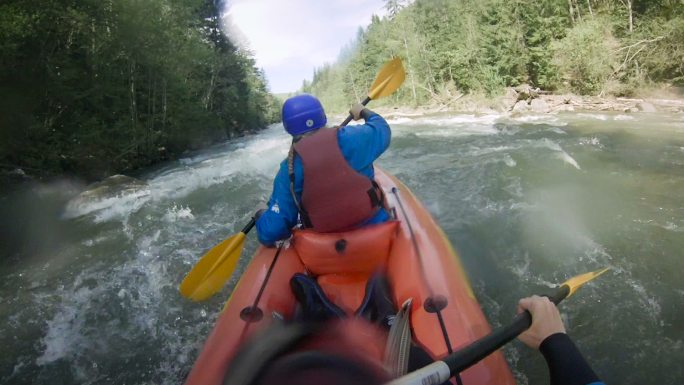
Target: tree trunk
(150, 131)
(210, 89)
(353, 83)
(577, 8)
(164, 105)
(631, 17)
(431, 77)
(591, 11)
(134, 111)
(572, 11)
(92, 37)
(134, 106)
(149, 94)
(408, 61)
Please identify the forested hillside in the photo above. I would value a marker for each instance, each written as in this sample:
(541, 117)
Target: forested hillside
(451, 47)
(94, 87)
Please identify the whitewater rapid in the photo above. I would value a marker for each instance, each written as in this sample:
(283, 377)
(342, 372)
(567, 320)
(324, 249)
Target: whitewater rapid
(527, 201)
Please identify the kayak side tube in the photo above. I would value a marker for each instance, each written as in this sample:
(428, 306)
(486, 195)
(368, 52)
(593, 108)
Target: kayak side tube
(423, 266)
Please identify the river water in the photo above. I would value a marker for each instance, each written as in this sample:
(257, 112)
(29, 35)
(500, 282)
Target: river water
(89, 288)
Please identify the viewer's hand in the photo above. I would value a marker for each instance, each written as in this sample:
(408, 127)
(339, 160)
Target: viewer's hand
(356, 111)
(546, 320)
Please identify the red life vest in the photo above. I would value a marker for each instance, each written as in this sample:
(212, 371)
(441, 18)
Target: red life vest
(336, 197)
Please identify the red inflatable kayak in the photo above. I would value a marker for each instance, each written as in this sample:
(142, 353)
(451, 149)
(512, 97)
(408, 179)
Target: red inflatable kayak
(414, 254)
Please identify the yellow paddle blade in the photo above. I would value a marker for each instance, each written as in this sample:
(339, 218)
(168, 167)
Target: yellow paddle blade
(576, 282)
(390, 77)
(213, 269)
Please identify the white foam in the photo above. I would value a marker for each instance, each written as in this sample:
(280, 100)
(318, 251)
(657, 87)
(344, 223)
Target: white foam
(538, 119)
(60, 340)
(593, 141)
(177, 213)
(448, 126)
(108, 207)
(671, 227)
(140, 284)
(648, 302)
(401, 120)
(453, 132)
(510, 162)
(561, 154)
(451, 120)
(522, 271)
(624, 118)
(547, 143)
(258, 155)
(565, 157)
(94, 241)
(602, 117)
(491, 150)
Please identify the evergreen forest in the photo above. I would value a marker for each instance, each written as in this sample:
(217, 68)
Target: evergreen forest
(457, 47)
(90, 88)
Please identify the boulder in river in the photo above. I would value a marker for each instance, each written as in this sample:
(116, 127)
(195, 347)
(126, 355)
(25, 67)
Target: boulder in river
(510, 97)
(565, 107)
(539, 105)
(646, 107)
(521, 106)
(101, 195)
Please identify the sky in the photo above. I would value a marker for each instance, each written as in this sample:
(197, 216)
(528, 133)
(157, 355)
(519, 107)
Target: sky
(289, 38)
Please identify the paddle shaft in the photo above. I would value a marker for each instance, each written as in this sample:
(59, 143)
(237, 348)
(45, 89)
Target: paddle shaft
(440, 371)
(350, 117)
(249, 225)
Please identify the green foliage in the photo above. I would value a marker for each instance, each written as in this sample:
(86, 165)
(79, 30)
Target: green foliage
(657, 52)
(480, 46)
(585, 57)
(93, 87)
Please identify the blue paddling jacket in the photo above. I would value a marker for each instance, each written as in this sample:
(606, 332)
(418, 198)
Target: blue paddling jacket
(360, 146)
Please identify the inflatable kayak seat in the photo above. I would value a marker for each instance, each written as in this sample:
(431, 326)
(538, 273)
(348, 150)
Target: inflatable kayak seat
(315, 306)
(343, 262)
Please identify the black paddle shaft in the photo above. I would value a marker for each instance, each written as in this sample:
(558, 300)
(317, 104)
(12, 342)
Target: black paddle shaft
(349, 118)
(473, 353)
(248, 226)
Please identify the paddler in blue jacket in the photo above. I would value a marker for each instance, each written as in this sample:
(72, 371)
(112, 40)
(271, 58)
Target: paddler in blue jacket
(327, 180)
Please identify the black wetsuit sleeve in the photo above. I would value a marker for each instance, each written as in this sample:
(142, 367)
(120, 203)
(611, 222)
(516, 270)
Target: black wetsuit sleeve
(566, 364)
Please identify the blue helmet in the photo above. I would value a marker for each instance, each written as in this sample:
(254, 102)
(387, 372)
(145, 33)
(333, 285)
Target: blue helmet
(303, 113)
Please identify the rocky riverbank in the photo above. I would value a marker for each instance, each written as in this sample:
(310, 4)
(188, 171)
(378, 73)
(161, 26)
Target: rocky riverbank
(525, 99)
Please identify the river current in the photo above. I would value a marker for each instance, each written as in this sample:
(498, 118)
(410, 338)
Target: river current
(89, 286)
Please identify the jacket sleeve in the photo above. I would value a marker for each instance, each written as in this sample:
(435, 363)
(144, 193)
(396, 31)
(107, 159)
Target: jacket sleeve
(281, 216)
(566, 364)
(366, 142)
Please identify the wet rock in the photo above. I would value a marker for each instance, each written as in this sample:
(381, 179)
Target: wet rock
(114, 183)
(646, 107)
(526, 92)
(511, 97)
(18, 172)
(521, 106)
(539, 105)
(565, 108)
(98, 196)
